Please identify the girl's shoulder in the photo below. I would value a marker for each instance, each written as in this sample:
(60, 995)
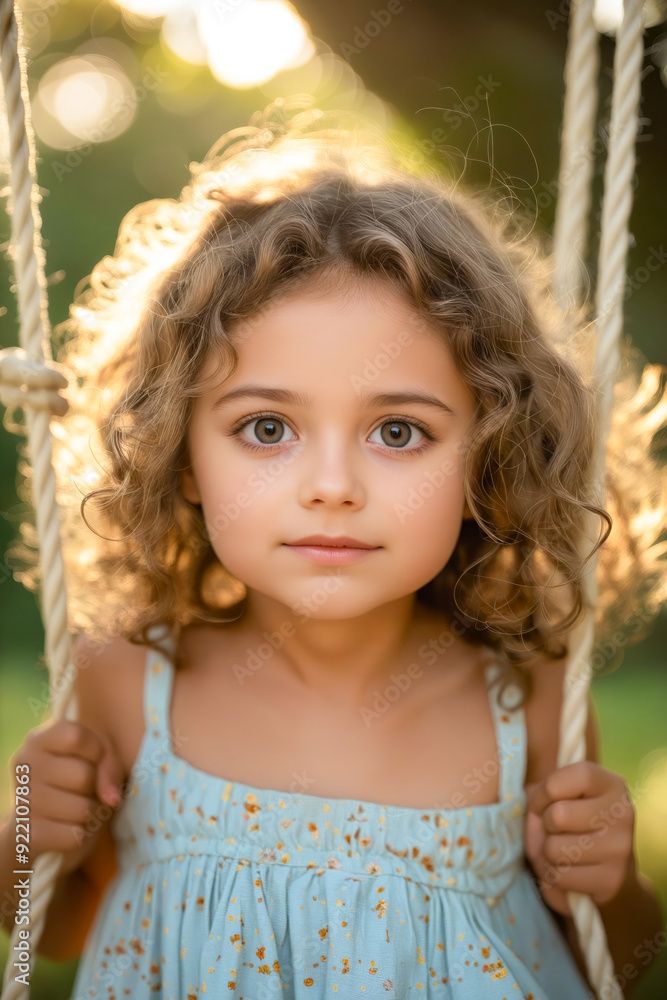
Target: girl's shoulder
(109, 683)
(543, 714)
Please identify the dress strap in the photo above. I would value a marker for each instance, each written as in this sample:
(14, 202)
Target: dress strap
(158, 683)
(510, 728)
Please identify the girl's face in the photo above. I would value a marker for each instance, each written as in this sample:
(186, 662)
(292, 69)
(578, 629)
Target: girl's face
(344, 417)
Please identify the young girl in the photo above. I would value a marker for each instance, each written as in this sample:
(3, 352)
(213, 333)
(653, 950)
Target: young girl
(324, 584)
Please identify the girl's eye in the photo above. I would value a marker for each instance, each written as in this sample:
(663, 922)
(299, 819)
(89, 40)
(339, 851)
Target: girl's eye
(268, 429)
(396, 434)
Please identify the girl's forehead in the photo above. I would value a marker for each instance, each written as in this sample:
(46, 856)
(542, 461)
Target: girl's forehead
(357, 342)
(336, 321)
(339, 291)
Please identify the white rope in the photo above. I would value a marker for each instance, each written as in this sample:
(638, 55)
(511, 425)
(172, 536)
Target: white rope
(577, 157)
(27, 367)
(616, 206)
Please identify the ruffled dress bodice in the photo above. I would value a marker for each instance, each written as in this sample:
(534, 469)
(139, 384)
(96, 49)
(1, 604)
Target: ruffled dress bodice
(224, 889)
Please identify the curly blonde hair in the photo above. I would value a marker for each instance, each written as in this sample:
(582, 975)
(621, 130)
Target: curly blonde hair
(303, 197)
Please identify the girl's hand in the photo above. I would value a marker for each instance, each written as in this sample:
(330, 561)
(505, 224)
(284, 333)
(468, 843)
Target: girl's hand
(74, 775)
(578, 834)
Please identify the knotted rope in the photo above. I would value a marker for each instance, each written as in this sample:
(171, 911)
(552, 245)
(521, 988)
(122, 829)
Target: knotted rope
(24, 383)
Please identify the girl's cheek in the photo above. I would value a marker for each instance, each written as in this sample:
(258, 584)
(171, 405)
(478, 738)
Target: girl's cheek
(237, 501)
(435, 493)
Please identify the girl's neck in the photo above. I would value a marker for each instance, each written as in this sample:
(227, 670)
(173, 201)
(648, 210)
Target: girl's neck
(341, 659)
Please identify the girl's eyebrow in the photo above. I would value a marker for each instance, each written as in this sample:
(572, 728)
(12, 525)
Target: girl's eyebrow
(299, 399)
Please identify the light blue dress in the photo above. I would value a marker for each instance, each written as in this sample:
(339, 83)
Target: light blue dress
(228, 890)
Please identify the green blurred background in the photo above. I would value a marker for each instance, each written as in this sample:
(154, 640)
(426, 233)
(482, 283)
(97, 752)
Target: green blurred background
(125, 96)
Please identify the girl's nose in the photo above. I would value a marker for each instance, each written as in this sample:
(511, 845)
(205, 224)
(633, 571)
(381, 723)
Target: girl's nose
(331, 473)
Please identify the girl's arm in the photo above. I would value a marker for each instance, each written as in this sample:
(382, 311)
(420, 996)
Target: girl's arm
(75, 900)
(78, 890)
(586, 837)
(632, 919)
(634, 929)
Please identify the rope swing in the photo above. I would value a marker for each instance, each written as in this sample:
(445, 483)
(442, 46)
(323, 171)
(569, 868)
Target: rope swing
(30, 380)
(574, 199)
(27, 380)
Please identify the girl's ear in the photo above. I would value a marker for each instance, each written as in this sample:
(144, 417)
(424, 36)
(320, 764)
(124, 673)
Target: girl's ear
(189, 487)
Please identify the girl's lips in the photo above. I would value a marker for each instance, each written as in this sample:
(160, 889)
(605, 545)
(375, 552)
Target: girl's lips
(331, 554)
